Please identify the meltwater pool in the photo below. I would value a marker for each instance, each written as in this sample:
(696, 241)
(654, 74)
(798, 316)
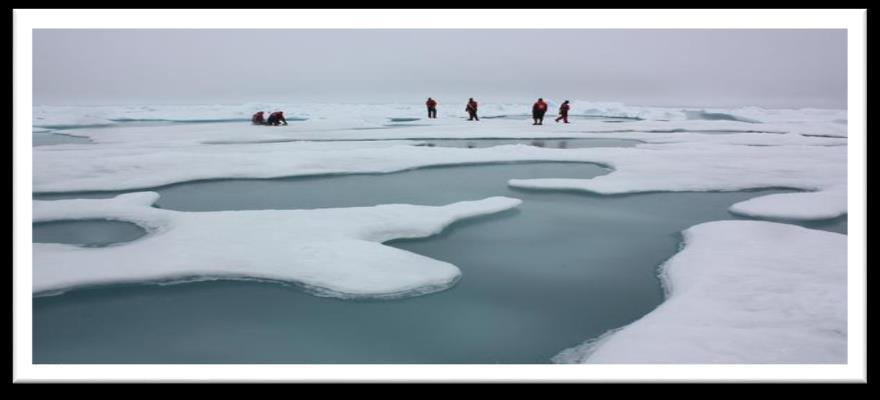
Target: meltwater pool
(562, 268)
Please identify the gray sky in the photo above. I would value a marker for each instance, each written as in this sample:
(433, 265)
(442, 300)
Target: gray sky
(711, 68)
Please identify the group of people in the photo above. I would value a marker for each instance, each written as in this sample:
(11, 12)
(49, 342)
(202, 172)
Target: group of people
(538, 110)
(276, 118)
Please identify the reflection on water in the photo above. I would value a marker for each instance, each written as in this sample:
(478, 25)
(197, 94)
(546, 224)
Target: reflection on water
(48, 139)
(89, 233)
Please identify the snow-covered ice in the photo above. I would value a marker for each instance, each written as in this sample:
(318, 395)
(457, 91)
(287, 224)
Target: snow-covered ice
(740, 292)
(683, 149)
(333, 252)
(679, 162)
(701, 167)
(796, 206)
(69, 116)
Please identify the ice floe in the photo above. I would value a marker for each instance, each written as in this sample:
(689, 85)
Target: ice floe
(724, 168)
(824, 204)
(740, 292)
(332, 252)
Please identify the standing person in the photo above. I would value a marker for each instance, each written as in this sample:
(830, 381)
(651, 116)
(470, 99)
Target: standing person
(432, 108)
(538, 111)
(257, 119)
(276, 118)
(472, 109)
(563, 112)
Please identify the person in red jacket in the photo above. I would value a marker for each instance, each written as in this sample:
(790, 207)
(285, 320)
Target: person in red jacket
(563, 112)
(276, 118)
(432, 108)
(538, 111)
(257, 119)
(471, 108)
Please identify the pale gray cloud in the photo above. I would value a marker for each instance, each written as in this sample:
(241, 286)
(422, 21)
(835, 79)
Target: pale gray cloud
(771, 68)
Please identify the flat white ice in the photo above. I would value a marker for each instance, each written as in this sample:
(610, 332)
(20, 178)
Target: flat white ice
(825, 204)
(683, 149)
(413, 108)
(333, 252)
(740, 292)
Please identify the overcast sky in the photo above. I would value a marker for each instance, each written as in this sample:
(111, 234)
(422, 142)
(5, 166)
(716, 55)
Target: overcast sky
(710, 68)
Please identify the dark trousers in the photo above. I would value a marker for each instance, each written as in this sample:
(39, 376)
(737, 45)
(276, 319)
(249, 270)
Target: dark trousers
(563, 117)
(432, 112)
(473, 116)
(538, 117)
(276, 122)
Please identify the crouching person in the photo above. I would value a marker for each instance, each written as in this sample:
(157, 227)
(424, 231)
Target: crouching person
(258, 119)
(276, 118)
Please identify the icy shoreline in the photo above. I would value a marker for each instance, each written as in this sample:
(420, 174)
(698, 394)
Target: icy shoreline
(740, 292)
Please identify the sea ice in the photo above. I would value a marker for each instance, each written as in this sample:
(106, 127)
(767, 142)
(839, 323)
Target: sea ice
(145, 157)
(740, 292)
(333, 252)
